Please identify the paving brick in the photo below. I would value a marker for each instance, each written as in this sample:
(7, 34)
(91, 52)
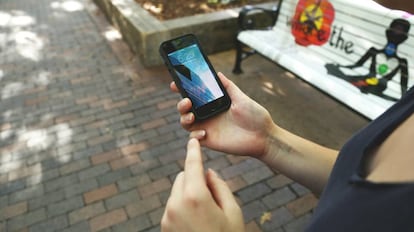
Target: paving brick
(257, 175)
(27, 193)
(302, 205)
(167, 104)
(97, 124)
(74, 166)
(164, 196)
(154, 187)
(172, 156)
(100, 139)
(144, 166)
(156, 216)
(107, 114)
(240, 168)
(114, 176)
(161, 140)
(137, 120)
(164, 171)
(65, 206)
(80, 187)
(46, 199)
(134, 148)
(170, 127)
(280, 217)
(124, 161)
(145, 90)
(60, 182)
(82, 121)
(73, 147)
(154, 229)
(87, 152)
(121, 118)
(81, 80)
(236, 183)
(94, 171)
(3, 226)
(13, 210)
(133, 182)
(100, 194)
(135, 224)
(143, 136)
(253, 192)
(278, 181)
(52, 163)
(81, 226)
(108, 219)
(217, 163)
(12, 187)
(4, 201)
(86, 212)
(52, 224)
(143, 206)
(105, 157)
(122, 199)
(157, 151)
(42, 177)
(27, 219)
(279, 198)
(298, 224)
(299, 189)
(253, 210)
(24, 172)
(86, 100)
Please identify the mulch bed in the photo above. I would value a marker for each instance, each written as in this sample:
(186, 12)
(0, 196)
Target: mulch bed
(170, 9)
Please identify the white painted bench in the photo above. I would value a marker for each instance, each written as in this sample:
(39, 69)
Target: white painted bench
(358, 52)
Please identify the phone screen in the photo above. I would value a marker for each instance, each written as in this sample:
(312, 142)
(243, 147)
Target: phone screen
(195, 75)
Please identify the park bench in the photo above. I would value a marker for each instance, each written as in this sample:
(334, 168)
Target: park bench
(358, 52)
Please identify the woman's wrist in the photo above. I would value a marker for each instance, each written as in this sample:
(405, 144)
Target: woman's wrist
(273, 144)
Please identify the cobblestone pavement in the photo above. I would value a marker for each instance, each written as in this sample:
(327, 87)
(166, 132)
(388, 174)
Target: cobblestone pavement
(90, 140)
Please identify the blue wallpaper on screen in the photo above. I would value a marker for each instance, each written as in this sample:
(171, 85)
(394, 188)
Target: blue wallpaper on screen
(195, 75)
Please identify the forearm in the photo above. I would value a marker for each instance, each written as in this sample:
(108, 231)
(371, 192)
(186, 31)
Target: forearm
(306, 162)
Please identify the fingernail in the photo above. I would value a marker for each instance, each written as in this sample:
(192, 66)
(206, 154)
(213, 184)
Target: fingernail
(189, 117)
(200, 134)
(192, 141)
(213, 172)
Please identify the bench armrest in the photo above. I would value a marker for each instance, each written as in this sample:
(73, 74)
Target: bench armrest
(248, 23)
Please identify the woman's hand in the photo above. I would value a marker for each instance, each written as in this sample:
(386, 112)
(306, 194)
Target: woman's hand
(199, 202)
(242, 130)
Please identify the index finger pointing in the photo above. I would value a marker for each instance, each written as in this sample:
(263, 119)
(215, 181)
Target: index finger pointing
(194, 170)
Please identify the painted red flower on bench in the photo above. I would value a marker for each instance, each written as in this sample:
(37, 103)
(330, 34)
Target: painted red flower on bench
(311, 24)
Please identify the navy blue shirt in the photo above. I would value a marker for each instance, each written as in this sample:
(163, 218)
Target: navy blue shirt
(350, 202)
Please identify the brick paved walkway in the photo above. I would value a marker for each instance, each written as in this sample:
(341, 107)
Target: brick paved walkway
(90, 140)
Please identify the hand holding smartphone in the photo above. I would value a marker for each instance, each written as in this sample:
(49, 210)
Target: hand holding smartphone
(194, 76)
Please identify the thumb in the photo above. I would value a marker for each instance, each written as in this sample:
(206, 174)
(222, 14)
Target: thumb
(229, 85)
(221, 193)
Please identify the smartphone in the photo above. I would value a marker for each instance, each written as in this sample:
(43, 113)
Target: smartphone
(194, 76)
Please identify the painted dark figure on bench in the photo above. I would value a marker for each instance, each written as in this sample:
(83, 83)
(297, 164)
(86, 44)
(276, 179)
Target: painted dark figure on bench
(384, 64)
(311, 24)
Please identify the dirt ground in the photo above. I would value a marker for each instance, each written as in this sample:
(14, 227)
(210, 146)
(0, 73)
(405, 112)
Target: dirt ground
(167, 9)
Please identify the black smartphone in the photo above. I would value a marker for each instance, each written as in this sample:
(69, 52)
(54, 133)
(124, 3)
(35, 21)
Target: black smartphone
(194, 76)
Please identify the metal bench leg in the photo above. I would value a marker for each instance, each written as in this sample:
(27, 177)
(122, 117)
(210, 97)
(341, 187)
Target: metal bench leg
(239, 56)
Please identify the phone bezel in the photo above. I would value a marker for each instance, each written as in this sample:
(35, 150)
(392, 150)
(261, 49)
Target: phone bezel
(210, 109)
